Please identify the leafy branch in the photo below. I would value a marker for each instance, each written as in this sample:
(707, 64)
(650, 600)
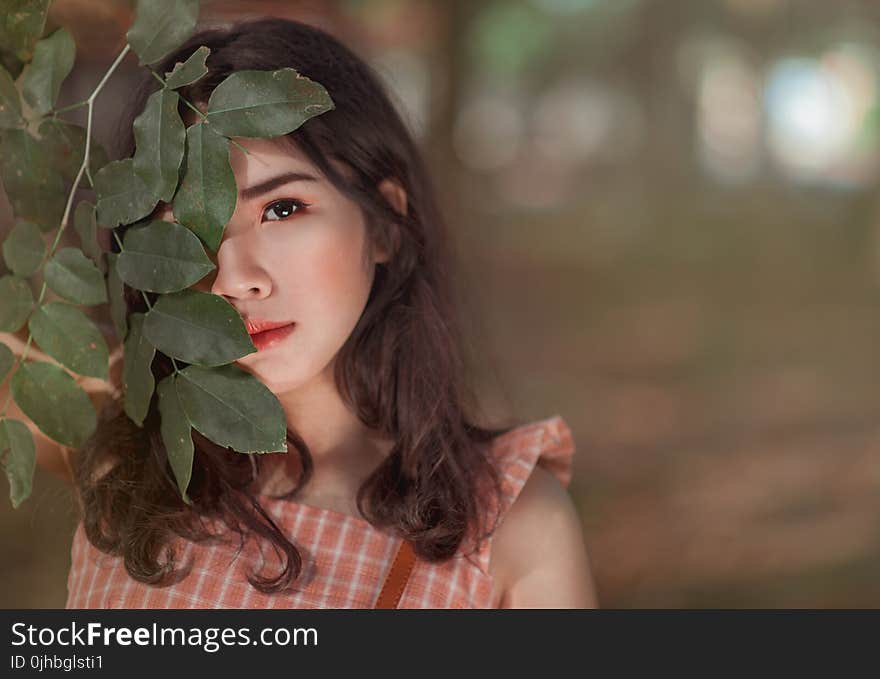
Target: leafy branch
(83, 168)
(187, 167)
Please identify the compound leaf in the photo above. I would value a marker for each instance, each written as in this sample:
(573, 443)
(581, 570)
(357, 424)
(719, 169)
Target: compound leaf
(206, 198)
(52, 63)
(176, 432)
(21, 25)
(189, 71)
(197, 327)
(74, 277)
(16, 302)
(66, 334)
(159, 135)
(116, 294)
(265, 103)
(123, 198)
(161, 26)
(162, 257)
(136, 372)
(52, 399)
(24, 249)
(19, 454)
(233, 408)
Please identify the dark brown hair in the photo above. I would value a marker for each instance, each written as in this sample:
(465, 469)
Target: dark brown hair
(400, 370)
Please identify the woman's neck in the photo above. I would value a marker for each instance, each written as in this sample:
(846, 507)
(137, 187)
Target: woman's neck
(344, 451)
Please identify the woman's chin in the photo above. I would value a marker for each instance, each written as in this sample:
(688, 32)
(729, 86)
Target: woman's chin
(268, 376)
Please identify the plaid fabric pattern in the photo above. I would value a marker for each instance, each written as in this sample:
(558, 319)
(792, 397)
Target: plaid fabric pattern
(345, 559)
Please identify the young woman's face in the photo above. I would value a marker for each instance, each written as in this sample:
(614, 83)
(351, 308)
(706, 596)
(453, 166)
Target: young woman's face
(295, 251)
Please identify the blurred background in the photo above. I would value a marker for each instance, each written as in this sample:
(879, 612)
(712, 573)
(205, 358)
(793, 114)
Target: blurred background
(669, 233)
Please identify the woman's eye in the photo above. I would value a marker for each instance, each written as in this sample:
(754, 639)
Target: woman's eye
(282, 209)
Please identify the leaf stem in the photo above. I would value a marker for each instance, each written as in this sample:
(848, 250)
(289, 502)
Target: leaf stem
(190, 105)
(204, 117)
(238, 146)
(146, 300)
(118, 239)
(194, 108)
(78, 104)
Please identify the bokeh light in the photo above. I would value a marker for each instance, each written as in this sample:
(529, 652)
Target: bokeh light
(489, 131)
(579, 120)
(818, 110)
(728, 125)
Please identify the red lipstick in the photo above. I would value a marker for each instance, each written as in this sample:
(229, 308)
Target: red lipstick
(266, 333)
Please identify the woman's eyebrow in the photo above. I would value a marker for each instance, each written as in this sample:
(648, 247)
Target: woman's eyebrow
(274, 182)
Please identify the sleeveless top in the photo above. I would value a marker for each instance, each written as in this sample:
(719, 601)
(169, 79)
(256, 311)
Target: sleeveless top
(345, 558)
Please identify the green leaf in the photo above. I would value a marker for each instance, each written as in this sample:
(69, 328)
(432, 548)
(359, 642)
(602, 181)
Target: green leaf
(21, 25)
(52, 63)
(206, 198)
(75, 278)
(116, 293)
(176, 432)
(265, 103)
(85, 223)
(33, 184)
(16, 302)
(24, 249)
(7, 359)
(123, 198)
(10, 104)
(160, 135)
(66, 144)
(161, 26)
(136, 372)
(66, 334)
(189, 71)
(233, 408)
(162, 257)
(60, 408)
(197, 327)
(21, 460)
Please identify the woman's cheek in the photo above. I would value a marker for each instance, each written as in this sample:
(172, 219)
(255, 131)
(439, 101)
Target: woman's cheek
(335, 264)
(336, 279)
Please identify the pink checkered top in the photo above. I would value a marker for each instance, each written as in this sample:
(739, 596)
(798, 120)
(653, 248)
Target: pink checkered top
(345, 558)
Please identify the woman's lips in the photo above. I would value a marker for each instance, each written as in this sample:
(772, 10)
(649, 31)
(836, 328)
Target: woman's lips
(267, 338)
(255, 325)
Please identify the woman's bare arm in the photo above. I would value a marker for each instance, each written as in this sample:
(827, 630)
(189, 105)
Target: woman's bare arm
(540, 548)
(51, 455)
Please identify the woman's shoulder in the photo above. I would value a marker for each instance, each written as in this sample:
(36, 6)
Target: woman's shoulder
(537, 555)
(534, 464)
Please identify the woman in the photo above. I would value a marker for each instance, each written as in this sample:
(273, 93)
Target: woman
(336, 237)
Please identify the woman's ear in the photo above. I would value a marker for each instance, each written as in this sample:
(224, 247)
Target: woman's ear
(395, 194)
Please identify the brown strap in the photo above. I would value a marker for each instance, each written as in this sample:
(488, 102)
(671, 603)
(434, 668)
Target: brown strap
(395, 582)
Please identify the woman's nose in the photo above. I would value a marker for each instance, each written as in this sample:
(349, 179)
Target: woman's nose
(238, 274)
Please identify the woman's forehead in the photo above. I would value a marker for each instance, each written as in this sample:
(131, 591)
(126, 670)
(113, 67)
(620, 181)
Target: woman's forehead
(265, 158)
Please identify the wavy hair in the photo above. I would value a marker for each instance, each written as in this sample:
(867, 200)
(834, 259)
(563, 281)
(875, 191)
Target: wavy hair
(400, 370)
